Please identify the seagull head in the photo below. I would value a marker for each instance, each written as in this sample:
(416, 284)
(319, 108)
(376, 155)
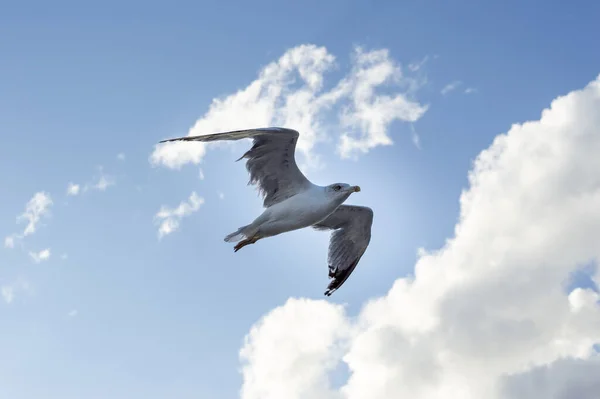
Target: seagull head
(342, 190)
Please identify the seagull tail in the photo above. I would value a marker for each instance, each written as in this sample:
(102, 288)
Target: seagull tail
(237, 235)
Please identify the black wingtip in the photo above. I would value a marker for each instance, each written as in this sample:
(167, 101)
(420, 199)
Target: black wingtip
(339, 278)
(184, 138)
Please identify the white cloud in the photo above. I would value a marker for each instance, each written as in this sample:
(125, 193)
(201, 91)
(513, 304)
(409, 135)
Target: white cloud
(121, 156)
(470, 90)
(221, 195)
(451, 87)
(73, 189)
(41, 256)
(563, 379)
(102, 183)
(169, 219)
(9, 291)
(275, 368)
(289, 92)
(9, 242)
(369, 115)
(37, 207)
(485, 316)
(583, 298)
(415, 66)
(73, 313)
(415, 137)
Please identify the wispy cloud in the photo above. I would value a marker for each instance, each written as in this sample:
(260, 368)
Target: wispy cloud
(451, 87)
(276, 97)
(415, 66)
(121, 156)
(73, 189)
(470, 90)
(9, 242)
(73, 313)
(40, 256)
(11, 290)
(415, 137)
(37, 207)
(8, 293)
(169, 219)
(101, 183)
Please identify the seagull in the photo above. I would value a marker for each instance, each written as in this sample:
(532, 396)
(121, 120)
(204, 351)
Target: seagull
(293, 202)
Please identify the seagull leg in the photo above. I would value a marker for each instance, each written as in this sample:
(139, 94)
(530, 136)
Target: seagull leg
(245, 242)
(241, 245)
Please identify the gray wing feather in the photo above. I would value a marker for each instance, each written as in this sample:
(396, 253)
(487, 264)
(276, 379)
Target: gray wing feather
(349, 240)
(270, 162)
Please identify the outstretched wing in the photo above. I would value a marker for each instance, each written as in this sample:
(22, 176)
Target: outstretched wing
(351, 235)
(270, 161)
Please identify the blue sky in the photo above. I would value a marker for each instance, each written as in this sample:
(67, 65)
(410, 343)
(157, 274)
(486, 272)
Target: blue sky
(116, 312)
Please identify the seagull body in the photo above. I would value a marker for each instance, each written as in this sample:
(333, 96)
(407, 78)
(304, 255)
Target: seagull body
(304, 209)
(293, 202)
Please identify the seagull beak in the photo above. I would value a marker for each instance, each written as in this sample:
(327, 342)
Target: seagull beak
(356, 189)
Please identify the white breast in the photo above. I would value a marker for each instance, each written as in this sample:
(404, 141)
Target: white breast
(303, 209)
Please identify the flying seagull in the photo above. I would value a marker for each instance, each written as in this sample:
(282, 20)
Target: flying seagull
(293, 202)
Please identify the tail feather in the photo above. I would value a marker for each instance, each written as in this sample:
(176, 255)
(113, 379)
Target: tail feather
(237, 235)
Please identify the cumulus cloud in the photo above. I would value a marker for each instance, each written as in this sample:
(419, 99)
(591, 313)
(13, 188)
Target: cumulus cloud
(563, 379)
(488, 315)
(369, 114)
(583, 298)
(169, 219)
(291, 92)
(37, 207)
(73, 189)
(41, 256)
(275, 368)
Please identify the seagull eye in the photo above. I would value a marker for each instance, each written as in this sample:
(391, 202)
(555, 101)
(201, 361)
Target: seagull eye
(337, 187)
